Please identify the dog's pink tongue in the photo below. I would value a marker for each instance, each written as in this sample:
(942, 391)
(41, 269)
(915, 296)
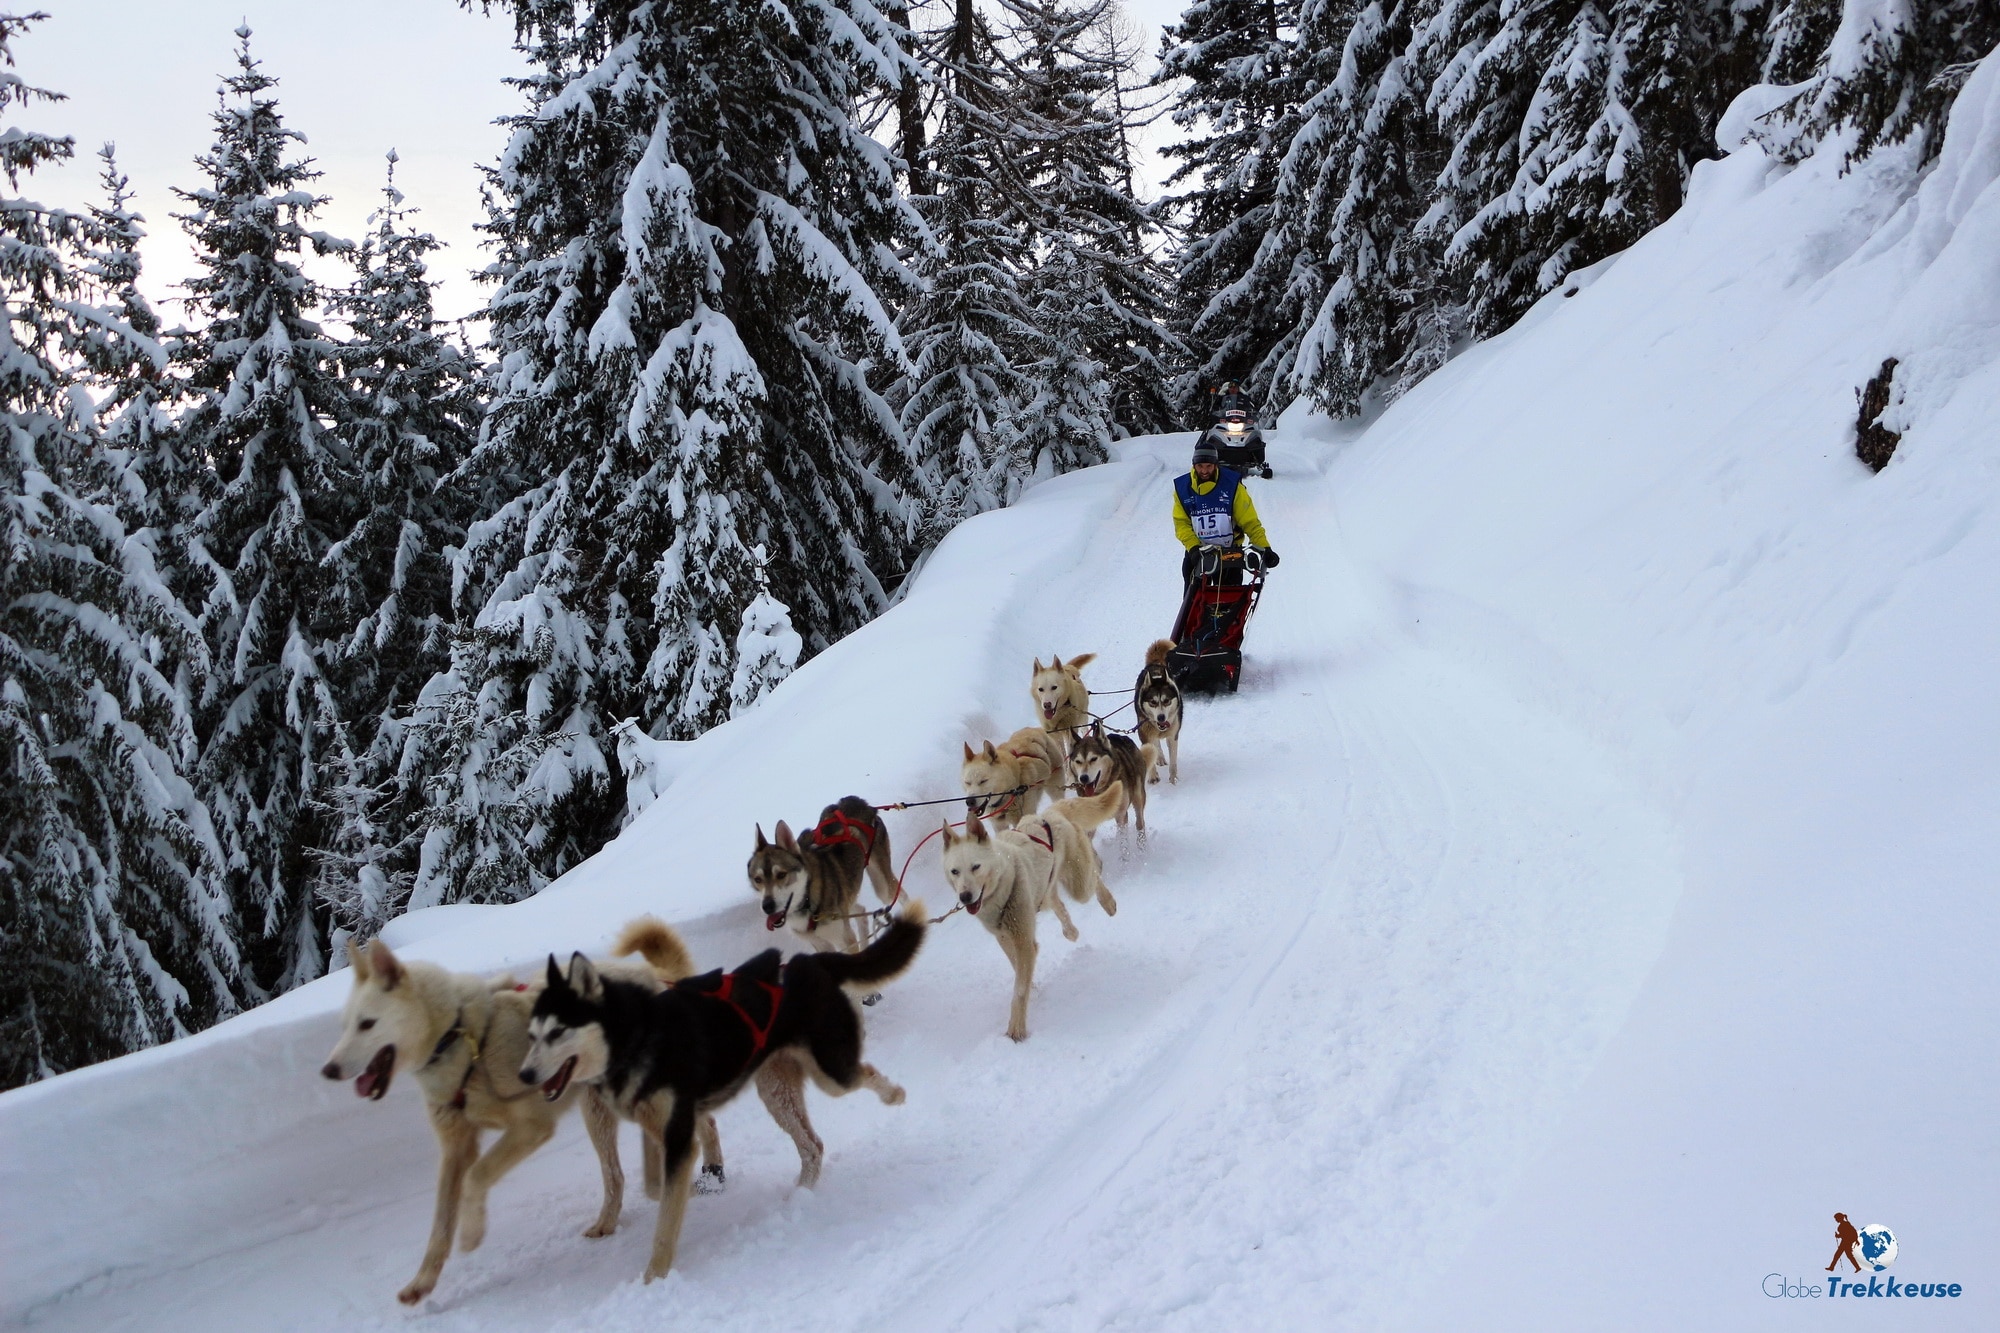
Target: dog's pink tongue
(774, 920)
(364, 1084)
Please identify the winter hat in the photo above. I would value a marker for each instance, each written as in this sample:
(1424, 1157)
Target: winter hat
(1205, 452)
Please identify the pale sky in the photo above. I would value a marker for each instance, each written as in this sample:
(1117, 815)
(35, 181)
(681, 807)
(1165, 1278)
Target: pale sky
(356, 77)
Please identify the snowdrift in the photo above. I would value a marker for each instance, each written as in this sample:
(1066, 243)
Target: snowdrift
(1588, 894)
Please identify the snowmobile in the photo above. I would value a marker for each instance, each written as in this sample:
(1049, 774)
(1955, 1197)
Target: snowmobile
(1216, 609)
(1240, 443)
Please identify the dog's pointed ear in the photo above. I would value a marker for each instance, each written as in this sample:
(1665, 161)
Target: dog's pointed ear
(760, 837)
(583, 977)
(991, 755)
(1038, 666)
(973, 828)
(384, 965)
(557, 981)
(357, 960)
(783, 835)
(968, 751)
(949, 836)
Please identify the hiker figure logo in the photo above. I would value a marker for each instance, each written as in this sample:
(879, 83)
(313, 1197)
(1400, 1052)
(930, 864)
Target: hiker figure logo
(1869, 1249)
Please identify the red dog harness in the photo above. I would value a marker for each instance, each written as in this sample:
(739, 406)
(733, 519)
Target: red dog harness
(760, 1033)
(839, 827)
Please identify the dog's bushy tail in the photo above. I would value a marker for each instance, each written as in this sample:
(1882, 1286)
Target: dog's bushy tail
(886, 959)
(659, 944)
(1158, 652)
(1087, 812)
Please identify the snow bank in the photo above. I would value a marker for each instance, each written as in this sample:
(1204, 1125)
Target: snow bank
(1644, 508)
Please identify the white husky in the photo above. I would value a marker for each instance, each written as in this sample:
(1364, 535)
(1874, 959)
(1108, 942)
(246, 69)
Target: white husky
(1007, 879)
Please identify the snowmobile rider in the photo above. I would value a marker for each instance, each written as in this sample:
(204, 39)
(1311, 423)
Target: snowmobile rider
(1212, 508)
(1227, 397)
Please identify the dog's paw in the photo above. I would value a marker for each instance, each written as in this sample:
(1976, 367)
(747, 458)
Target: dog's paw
(416, 1291)
(872, 997)
(599, 1229)
(710, 1181)
(1069, 932)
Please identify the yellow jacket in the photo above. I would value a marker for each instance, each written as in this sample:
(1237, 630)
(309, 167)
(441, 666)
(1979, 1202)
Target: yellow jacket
(1243, 511)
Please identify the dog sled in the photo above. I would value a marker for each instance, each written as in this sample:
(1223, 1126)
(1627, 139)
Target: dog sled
(1216, 609)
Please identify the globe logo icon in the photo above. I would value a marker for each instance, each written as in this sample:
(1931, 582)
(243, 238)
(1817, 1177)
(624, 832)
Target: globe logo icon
(1878, 1246)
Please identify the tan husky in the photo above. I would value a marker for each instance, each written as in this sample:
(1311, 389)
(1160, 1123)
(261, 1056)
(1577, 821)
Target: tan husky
(1007, 879)
(1030, 758)
(1062, 700)
(462, 1038)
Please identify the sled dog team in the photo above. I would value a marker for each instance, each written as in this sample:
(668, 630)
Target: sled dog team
(646, 1039)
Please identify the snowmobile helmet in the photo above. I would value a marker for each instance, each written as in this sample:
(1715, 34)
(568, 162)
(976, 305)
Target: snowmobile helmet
(1204, 452)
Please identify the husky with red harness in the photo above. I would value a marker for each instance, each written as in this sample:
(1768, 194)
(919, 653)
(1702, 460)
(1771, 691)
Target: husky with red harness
(812, 883)
(666, 1058)
(1007, 781)
(1007, 879)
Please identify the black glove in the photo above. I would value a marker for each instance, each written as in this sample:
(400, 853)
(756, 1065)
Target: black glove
(1270, 557)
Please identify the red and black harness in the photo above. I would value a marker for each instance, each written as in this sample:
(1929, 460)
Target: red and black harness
(724, 987)
(840, 827)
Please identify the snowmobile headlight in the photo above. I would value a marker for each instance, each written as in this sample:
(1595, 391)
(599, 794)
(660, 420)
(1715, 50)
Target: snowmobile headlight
(1235, 428)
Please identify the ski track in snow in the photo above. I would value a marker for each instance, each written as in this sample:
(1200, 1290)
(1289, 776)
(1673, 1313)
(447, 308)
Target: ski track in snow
(1379, 932)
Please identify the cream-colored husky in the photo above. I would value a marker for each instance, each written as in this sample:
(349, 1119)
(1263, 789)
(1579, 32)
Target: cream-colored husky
(462, 1038)
(1062, 700)
(1007, 879)
(1030, 758)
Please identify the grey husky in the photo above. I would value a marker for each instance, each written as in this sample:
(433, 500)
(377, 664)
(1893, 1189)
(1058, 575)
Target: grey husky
(813, 882)
(1099, 758)
(1158, 702)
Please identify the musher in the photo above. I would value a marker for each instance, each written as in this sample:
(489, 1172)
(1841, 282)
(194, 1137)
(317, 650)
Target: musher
(1212, 508)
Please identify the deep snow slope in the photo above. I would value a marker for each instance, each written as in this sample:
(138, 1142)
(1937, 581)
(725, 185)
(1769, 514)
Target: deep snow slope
(1644, 509)
(1586, 896)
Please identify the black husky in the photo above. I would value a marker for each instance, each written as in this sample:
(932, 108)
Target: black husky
(663, 1058)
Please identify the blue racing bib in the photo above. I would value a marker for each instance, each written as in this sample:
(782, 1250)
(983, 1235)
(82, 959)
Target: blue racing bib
(1214, 514)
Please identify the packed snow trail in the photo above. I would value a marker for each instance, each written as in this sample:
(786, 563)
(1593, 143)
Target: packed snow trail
(1377, 933)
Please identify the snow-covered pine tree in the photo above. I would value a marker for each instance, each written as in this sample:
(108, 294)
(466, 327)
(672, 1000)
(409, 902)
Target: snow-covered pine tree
(411, 421)
(1359, 283)
(160, 487)
(970, 323)
(1890, 70)
(1097, 292)
(693, 230)
(1793, 38)
(266, 400)
(114, 933)
(767, 647)
(1606, 111)
(1235, 65)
